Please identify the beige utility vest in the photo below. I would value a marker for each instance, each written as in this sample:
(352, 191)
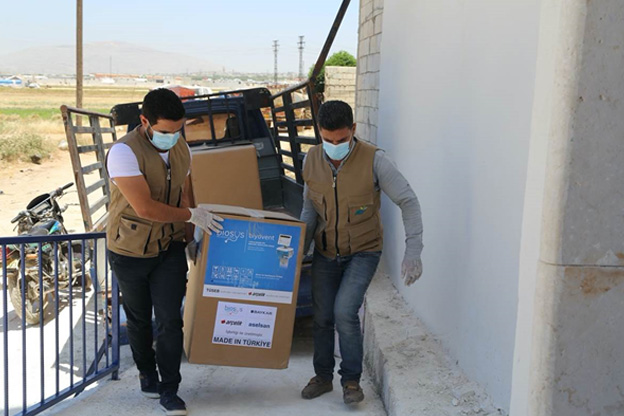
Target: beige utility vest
(348, 205)
(126, 232)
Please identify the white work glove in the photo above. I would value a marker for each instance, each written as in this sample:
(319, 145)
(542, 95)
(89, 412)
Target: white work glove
(411, 269)
(191, 251)
(206, 220)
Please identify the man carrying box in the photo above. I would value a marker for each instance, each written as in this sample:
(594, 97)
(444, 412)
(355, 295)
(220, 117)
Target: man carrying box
(149, 205)
(343, 179)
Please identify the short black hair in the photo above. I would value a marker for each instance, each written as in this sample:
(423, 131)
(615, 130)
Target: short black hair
(335, 115)
(162, 103)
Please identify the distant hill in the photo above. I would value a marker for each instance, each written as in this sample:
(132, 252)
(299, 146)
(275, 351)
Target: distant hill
(126, 58)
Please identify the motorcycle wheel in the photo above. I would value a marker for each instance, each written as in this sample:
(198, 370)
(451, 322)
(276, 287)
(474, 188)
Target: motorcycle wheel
(78, 263)
(33, 301)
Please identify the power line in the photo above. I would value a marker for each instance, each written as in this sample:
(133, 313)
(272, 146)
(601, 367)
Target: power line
(300, 44)
(275, 49)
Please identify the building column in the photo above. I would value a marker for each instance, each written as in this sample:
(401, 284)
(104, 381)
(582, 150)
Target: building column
(577, 352)
(368, 67)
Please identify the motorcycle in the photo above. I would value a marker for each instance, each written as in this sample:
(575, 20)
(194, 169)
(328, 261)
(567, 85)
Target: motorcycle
(42, 216)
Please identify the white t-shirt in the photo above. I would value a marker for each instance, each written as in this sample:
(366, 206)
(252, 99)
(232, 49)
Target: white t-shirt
(122, 161)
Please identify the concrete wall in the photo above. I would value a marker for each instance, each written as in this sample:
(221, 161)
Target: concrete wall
(368, 59)
(340, 84)
(456, 83)
(577, 361)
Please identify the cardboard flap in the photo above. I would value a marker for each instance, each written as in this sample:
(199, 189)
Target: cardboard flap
(247, 212)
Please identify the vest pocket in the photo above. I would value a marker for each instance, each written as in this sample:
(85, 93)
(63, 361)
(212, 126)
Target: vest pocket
(361, 208)
(364, 236)
(133, 235)
(318, 203)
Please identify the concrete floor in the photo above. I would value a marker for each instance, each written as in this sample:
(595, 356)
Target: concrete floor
(415, 374)
(69, 341)
(211, 390)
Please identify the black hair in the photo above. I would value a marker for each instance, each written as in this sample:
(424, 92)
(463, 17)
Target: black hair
(335, 115)
(162, 103)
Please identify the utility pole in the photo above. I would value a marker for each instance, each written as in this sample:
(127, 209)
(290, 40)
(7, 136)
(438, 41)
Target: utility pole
(79, 75)
(301, 43)
(275, 49)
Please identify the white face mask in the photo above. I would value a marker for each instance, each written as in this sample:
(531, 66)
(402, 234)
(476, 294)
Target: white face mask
(337, 151)
(163, 141)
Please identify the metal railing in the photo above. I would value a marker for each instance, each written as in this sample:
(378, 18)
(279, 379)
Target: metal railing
(293, 110)
(94, 195)
(65, 335)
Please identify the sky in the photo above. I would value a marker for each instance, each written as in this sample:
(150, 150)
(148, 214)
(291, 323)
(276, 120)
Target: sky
(235, 34)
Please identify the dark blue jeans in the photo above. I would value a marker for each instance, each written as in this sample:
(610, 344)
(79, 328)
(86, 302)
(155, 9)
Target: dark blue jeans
(338, 288)
(157, 283)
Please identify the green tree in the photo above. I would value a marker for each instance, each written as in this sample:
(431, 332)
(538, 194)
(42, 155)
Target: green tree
(341, 58)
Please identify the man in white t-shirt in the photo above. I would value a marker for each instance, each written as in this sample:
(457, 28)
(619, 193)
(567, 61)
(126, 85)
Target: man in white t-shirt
(146, 234)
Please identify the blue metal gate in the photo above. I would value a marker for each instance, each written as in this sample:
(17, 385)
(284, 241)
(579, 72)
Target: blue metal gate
(65, 336)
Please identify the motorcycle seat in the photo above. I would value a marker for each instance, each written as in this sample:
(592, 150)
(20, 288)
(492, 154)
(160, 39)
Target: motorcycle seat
(42, 228)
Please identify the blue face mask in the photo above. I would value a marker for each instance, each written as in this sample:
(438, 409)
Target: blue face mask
(164, 141)
(337, 151)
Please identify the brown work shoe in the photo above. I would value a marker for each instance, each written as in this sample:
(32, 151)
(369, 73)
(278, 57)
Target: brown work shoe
(316, 387)
(352, 392)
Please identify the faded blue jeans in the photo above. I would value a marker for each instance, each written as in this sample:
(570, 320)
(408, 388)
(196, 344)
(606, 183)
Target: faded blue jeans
(338, 288)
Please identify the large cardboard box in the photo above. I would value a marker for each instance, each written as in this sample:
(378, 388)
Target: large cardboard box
(227, 176)
(242, 290)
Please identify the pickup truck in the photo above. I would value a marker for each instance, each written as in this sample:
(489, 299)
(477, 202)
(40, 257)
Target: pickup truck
(281, 126)
(238, 117)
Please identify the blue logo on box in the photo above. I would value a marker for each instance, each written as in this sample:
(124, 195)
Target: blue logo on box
(253, 255)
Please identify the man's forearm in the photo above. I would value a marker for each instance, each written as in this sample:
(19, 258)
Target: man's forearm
(412, 222)
(394, 184)
(159, 212)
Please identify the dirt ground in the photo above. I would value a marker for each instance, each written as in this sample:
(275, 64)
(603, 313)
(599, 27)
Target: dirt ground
(25, 111)
(20, 182)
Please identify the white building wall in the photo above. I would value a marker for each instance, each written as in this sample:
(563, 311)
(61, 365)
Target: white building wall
(456, 87)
